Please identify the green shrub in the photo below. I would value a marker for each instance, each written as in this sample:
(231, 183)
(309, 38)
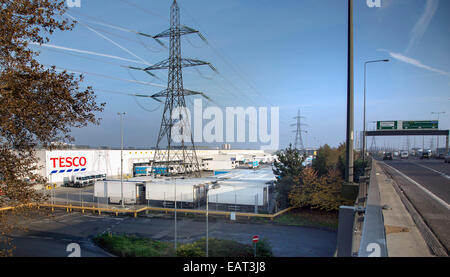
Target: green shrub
(190, 250)
(132, 246)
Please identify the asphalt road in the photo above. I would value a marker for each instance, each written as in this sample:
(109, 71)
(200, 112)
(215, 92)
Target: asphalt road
(433, 199)
(50, 236)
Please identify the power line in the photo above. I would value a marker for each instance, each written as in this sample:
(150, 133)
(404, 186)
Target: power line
(224, 59)
(87, 52)
(243, 94)
(108, 39)
(105, 76)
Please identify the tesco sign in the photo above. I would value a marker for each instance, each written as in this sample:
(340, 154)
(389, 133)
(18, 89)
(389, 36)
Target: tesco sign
(68, 161)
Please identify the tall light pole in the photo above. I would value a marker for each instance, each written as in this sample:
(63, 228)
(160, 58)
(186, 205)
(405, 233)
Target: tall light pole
(437, 137)
(175, 212)
(207, 227)
(121, 158)
(364, 128)
(350, 117)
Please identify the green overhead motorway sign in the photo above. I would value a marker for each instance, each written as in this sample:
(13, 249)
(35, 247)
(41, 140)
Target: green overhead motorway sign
(424, 124)
(387, 125)
(408, 125)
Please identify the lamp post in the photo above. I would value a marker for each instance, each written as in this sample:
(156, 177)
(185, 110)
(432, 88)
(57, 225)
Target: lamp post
(121, 158)
(364, 128)
(437, 137)
(175, 212)
(350, 111)
(207, 227)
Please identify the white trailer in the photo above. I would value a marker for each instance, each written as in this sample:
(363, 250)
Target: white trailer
(187, 190)
(142, 178)
(247, 193)
(133, 191)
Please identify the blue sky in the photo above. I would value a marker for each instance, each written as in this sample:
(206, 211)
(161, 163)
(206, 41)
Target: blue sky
(290, 54)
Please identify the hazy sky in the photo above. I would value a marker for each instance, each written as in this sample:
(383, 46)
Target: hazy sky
(290, 54)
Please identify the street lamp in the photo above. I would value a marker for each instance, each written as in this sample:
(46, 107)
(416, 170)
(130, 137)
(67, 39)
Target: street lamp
(350, 110)
(207, 223)
(121, 158)
(175, 212)
(364, 128)
(437, 137)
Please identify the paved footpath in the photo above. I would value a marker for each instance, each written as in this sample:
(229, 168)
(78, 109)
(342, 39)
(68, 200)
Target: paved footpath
(403, 238)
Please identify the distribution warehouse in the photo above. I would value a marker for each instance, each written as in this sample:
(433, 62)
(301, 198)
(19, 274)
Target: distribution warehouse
(60, 166)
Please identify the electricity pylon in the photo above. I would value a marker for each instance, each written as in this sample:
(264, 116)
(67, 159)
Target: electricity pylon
(298, 132)
(175, 124)
(373, 145)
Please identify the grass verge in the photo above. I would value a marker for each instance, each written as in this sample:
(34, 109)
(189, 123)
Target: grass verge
(132, 246)
(309, 218)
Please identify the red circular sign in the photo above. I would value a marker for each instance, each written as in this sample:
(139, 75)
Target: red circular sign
(255, 239)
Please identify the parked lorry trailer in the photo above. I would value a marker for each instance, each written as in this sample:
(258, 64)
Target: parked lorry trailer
(188, 191)
(133, 191)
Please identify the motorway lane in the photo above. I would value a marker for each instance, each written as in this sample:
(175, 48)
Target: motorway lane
(436, 215)
(420, 171)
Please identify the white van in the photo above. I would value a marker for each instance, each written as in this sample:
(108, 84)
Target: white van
(404, 155)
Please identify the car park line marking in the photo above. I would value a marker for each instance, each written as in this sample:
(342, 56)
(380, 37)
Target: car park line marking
(438, 172)
(429, 193)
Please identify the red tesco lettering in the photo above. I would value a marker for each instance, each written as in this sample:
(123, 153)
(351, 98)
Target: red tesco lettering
(68, 161)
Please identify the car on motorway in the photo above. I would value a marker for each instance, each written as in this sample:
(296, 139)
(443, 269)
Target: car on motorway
(447, 158)
(440, 154)
(404, 155)
(387, 156)
(425, 155)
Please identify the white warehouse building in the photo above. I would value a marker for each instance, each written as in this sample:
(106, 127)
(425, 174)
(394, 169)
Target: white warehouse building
(59, 166)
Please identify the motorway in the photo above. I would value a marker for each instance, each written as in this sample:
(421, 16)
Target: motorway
(49, 236)
(426, 184)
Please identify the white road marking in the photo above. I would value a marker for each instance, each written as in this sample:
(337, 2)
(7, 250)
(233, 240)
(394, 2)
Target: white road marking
(429, 193)
(438, 172)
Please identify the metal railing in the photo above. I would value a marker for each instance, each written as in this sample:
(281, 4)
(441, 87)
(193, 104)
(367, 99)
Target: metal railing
(136, 211)
(361, 227)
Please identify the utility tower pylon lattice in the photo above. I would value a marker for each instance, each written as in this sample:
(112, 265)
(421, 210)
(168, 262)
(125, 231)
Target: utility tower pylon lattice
(298, 132)
(373, 145)
(180, 156)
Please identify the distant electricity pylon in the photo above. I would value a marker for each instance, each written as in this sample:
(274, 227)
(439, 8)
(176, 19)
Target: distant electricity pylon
(373, 145)
(298, 132)
(181, 158)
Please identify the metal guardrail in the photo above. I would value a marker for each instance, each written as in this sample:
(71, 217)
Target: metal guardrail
(135, 212)
(373, 238)
(361, 230)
